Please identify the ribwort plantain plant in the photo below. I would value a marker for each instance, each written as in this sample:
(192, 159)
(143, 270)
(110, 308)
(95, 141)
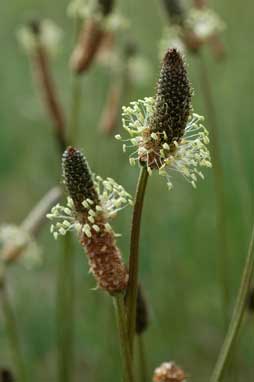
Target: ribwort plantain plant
(91, 203)
(166, 136)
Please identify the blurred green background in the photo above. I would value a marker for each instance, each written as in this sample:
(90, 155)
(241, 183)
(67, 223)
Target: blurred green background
(179, 253)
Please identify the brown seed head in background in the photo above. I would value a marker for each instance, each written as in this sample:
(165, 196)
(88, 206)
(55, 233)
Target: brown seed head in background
(169, 372)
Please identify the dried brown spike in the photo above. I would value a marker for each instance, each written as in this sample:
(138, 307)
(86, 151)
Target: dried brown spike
(173, 98)
(169, 372)
(90, 39)
(78, 178)
(142, 313)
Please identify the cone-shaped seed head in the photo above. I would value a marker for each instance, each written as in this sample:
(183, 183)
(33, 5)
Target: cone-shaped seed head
(142, 313)
(173, 98)
(78, 178)
(169, 372)
(175, 10)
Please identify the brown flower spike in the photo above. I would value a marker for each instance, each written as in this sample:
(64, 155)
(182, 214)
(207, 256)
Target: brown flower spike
(173, 98)
(105, 259)
(90, 39)
(169, 372)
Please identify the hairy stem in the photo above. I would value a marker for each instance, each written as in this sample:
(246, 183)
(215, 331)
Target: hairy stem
(132, 290)
(142, 359)
(123, 335)
(237, 316)
(219, 188)
(13, 335)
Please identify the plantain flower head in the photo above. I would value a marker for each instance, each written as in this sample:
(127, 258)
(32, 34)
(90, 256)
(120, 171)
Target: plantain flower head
(165, 134)
(46, 32)
(169, 372)
(204, 23)
(91, 203)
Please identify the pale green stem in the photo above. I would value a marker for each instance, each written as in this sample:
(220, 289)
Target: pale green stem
(142, 359)
(75, 96)
(237, 317)
(132, 290)
(223, 254)
(66, 279)
(123, 336)
(65, 310)
(13, 335)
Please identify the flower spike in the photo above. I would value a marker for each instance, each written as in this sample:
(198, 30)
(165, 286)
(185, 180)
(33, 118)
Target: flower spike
(92, 202)
(164, 132)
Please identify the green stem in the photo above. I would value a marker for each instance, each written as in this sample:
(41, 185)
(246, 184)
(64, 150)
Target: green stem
(65, 310)
(75, 110)
(237, 316)
(75, 96)
(219, 188)
(132, 290)
(13, 335)
(124, 342)
(142, 359)
(66, 278)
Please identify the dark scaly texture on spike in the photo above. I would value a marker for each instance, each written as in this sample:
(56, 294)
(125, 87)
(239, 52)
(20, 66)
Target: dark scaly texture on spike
(78, 178)
(175, 11)
(142, 313)
(173, 98)
(106, 6)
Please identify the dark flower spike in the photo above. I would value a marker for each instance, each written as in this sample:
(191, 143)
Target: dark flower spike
(92, 202)
(173, 98)
(166, 133)
(106, 6)
(175, 10)
(142, 319)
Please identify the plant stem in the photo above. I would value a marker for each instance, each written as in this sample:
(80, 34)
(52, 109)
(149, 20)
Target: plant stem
(237, 316)
(65, 310)
(142, 359)
(132, 290)
(75, 110)
(75, 96)
(123, 335)
(12, 334)
(219, 188)
(66, 278)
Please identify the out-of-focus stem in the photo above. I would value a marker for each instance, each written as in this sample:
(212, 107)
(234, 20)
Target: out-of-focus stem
(123, 335)
(32, 224)
(50, 95)
(132, 290)
(66, 275)
(143, 375)
(223, 255)
(237, 317)
(12, 334)
(65, 310)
